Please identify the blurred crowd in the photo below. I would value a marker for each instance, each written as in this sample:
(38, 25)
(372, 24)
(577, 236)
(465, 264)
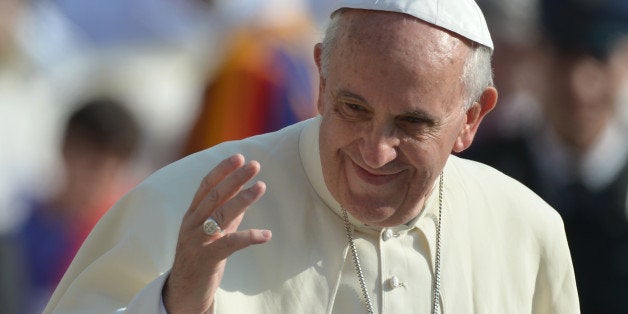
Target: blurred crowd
(95, 95)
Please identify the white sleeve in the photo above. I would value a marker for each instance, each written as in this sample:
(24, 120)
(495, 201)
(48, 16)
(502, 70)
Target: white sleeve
(149, 299)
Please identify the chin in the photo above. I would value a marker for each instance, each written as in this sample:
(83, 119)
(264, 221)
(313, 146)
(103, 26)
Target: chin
(370, 214)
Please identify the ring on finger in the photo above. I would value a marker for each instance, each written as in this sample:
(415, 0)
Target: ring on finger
(211, 227)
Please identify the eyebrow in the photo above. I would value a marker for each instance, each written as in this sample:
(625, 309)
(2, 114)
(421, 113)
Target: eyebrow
(421, 115)
(348, 94)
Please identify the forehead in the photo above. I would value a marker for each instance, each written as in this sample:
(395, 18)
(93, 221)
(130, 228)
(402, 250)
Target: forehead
(390, 32)
(395, 54)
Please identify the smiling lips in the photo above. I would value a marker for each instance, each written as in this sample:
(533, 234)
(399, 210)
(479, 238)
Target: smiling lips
(374, 179)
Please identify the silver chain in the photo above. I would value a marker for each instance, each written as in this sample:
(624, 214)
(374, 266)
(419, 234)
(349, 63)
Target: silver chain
(358, 267)
(356, 262)
(436, 303)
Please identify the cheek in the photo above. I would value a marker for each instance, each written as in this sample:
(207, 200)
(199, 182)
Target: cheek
(336, 134)
(428, 156)
(327, 131)
(452, 134)
(331, 142)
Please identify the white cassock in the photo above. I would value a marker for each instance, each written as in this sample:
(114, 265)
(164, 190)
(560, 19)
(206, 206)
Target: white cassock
(503, 249)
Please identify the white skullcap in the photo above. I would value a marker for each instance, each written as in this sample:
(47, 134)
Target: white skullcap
(462, 17)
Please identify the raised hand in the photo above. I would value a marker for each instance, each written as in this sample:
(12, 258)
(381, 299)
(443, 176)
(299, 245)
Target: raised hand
(201, 255)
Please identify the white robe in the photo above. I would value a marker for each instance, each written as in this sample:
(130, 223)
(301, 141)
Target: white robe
(503, 249)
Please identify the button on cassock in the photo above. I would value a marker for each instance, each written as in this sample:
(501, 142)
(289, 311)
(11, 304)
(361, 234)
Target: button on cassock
(394, 282)
(387, 234)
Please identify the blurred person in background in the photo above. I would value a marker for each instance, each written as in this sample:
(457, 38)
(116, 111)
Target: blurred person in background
(25, 141)
(514, 26)
(49, 61)
(265, 80)
(99, 142)
(576, 157)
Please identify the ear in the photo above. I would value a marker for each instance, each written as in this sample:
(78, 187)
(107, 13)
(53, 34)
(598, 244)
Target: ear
(318, 53)
(473, 117)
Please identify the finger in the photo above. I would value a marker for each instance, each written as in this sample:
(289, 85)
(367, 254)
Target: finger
(226, 189)
(214, 177)
(235, 241)
(230, 214)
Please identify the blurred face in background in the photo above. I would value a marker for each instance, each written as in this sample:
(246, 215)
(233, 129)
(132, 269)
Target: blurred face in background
(620, 63)
(90, 172)
(581, 94)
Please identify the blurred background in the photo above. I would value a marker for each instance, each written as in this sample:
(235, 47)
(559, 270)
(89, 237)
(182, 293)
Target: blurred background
(95, 95)
(561, 127)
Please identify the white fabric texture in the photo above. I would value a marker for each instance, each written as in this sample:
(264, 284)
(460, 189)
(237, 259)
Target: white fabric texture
(503, 249)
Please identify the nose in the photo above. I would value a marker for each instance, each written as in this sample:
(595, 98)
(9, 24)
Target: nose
(379, 146)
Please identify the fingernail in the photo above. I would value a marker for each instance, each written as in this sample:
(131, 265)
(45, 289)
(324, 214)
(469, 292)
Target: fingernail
(267, 234)
(235, 159)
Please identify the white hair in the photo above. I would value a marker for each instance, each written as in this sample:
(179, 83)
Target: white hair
(477, 74)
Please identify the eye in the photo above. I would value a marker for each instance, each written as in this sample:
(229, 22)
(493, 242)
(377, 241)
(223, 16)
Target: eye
(412, 119)
(415, 120)
(415, 125)
(355, 107)
(351, 111)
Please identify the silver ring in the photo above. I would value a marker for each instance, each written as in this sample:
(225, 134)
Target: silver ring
(211, 227)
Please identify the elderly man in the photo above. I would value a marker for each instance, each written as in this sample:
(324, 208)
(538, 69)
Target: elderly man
(368, 209)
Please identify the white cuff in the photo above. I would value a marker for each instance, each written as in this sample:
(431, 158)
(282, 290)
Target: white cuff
(149, 299)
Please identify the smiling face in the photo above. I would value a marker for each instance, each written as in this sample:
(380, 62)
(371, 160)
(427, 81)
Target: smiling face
(392, 106)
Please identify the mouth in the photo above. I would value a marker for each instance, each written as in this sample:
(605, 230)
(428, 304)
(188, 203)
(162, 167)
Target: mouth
(374, 178)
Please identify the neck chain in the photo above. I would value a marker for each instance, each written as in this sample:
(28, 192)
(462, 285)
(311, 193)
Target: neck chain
(358, 268)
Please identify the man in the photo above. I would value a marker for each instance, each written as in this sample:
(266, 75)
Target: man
(368, 210)
(576, 158)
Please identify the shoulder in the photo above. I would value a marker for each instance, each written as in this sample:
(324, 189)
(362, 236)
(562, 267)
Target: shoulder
(499, 148)
(513, 155)
(262, 148)
(169, 190)
(498, 194)
(482, 178)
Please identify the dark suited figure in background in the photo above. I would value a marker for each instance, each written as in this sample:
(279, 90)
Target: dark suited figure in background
(577, 157)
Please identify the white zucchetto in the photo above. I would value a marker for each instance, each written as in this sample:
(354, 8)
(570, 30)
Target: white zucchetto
(462, 17)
